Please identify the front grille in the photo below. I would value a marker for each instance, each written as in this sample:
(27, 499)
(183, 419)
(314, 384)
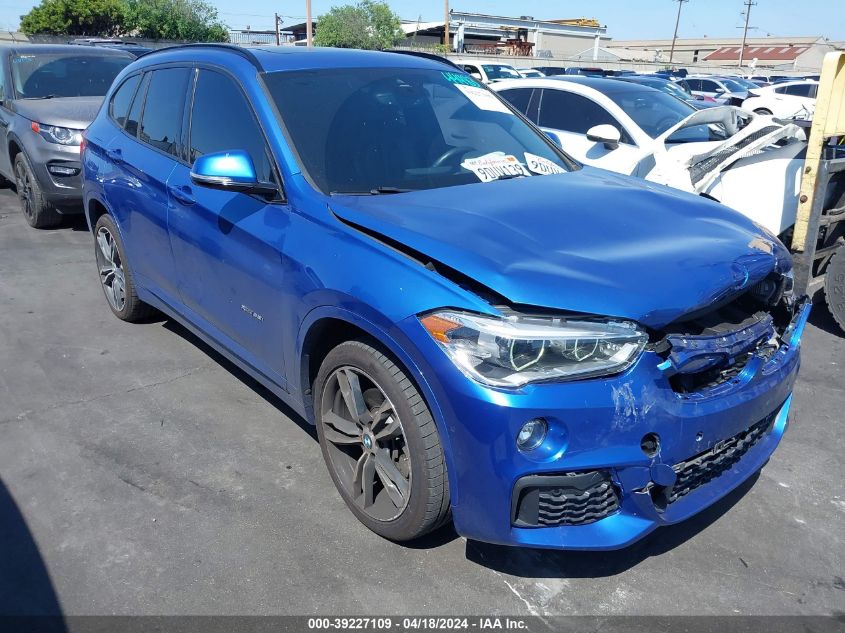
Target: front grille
(709, 465)
(568, 499)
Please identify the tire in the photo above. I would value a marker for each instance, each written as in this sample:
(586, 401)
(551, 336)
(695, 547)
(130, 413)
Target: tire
(116, 277)
(37, 212)
(401, 430)
(763, 111)
(834, 286)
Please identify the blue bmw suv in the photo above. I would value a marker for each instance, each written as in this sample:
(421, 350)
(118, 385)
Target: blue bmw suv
(480, 328)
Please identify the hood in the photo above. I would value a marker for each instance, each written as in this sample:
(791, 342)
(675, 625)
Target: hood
(749, 134)
(72, 112)
(588, 241)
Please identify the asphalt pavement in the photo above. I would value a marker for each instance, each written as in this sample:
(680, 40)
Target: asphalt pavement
(140, 473)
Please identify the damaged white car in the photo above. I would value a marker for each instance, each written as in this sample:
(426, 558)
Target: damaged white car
(747, 161)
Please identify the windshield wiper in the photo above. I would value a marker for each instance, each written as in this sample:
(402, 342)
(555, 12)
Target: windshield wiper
(377, 191)
(44, 97)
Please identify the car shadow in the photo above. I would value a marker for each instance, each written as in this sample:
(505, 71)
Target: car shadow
(25, 586)
(259, 389)
(821, 318)
(541, 563)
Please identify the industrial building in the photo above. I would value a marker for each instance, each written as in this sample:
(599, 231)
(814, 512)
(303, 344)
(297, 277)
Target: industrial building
(492, 34)
(775, 53)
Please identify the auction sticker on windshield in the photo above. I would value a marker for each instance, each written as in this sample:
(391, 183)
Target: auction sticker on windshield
(542, 166)
(495, 166)
(483, 98)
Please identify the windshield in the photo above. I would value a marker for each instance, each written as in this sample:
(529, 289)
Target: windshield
(746, 83)
(500, 71)
(389, 130)
(655, 112)
(733, 85)
(39, 76)
(675, 90)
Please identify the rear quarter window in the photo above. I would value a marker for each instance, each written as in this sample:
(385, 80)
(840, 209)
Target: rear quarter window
(122, 99)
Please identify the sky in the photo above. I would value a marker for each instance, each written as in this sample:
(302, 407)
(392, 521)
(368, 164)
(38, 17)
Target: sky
(625, 19)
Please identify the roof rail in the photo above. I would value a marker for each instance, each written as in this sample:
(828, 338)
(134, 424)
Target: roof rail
(246, 53)
(431, 56)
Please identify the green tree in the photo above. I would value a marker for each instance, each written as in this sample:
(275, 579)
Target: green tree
(370, 24)
(76, 17)
(188, 20)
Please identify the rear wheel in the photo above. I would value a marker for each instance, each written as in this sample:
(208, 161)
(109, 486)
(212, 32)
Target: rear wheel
(115, 276)
(38, 213)
(834, 286)
(380, 443)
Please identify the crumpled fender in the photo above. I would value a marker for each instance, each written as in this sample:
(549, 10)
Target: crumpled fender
(766, 130)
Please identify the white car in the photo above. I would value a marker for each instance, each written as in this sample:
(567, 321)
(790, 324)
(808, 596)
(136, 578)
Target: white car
(746, 161)
(491, 73)
(530, 73)
(722, 89)
(786, 100)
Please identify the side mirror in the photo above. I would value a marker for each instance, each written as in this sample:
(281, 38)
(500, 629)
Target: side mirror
(605, 133)
(476, 76)
(720, 90)
(230, 171)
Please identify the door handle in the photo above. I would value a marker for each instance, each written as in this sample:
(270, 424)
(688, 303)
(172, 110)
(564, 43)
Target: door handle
(182, 194)
(114, 155)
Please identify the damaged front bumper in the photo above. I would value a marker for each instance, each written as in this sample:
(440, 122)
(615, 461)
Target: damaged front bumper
(623, 455)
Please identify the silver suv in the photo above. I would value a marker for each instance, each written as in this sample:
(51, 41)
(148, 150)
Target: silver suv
(48, 96)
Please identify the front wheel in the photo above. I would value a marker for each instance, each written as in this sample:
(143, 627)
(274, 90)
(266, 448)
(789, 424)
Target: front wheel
(380, 443)
(38, 213)
(834, 286)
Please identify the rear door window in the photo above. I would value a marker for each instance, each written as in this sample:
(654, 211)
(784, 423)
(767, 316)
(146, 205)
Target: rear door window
(222, 119)
(162, 117)
(572, 112)
(799, 90)
(122, 99)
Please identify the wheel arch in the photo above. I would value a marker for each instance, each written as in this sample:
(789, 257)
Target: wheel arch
(94, 210)
(327, 326)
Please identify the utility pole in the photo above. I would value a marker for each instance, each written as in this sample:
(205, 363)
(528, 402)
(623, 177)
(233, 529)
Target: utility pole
(309, 29)
(446, 24)
(677, 22)
(748, 5)
(278, 33)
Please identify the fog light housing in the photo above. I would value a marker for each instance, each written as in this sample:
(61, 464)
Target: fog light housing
(62, 170)
(532, 434)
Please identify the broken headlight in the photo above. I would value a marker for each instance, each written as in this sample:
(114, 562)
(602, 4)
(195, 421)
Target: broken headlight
(514, 351)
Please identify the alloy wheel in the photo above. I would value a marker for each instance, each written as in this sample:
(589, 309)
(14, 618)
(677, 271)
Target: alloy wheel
(366, 443)
(111, 269)
(24, 188)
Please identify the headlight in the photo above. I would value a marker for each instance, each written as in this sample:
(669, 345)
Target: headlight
(789, 285)
(513, 351)
(60, 135)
